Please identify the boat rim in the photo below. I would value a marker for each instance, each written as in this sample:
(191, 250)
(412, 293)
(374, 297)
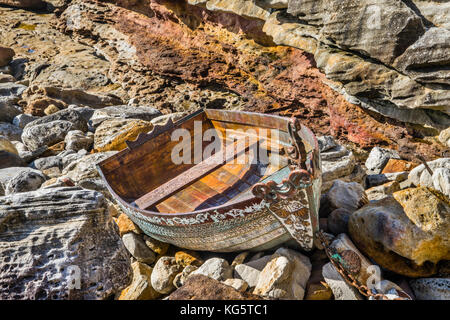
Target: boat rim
(251, 200)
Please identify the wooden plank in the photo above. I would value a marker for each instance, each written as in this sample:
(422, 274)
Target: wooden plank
(242, 117)
(196, 172)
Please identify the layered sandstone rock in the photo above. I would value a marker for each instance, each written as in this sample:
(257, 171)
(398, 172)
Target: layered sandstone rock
(60, 243)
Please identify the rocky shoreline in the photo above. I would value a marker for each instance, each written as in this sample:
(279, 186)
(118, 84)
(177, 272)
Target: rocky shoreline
(79, 78)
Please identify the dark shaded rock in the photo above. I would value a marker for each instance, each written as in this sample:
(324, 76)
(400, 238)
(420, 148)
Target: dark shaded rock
(199, 287)
(338, 221)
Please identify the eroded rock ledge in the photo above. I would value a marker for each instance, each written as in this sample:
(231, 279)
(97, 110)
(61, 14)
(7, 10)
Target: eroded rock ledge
(230, 48)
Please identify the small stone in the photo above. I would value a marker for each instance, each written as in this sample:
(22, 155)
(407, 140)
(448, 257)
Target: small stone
(284, 276)
(216, 268)
(383, 191)
(10, 132)
(52, 172)
(140, 288)
(431, 288)
(6, 145)
(112, 134)
(341, 290)
(181, 278)
(444, 137)
(126, 225)
(373, 180)
(378, 158)
(164, 274)
(395, 165)
(6, 55)
(23, 119)
(25, 181)
(326, 143)
(185, 258)
(249, 274)
(419, 176)
(76, 140)
(318, 291)
(441, 180)
(6, 78)
(156, 246)
(347, 195)
(240, 258)
(51, 109)
(338, 221)
(239, 284)
(137, 247)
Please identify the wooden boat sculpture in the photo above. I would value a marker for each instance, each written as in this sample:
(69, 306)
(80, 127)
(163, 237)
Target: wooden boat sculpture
(257, 188)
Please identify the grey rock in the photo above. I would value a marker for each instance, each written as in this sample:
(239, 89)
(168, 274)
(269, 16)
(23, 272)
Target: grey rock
(238, 284)
(420, 176)
(247, 273)
(10, 131)
(338, 221)
(383, 191)
(444, 137)
(138, 249)
(21, 120)
(373, 180)
(326, 143)
(284, 276)
(29, 156)
(50, 236)
(341, 290)
(431, 49)
(146, 113)
(47, 162)
(347, 195)
(164, 274)
(431, 288)
(441, 180)
(216, 268)
(341, 163)
(9, 109)
(11, 89)
(6, 174)
(77, 140)
(25, 181)
(85, 167)
(378, 158)
(45, 134)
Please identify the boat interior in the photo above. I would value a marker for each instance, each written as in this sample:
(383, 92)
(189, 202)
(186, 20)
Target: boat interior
(145, 175)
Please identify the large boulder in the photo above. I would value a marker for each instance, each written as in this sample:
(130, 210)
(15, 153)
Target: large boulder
(406, 233)
(60, 243)
(52, 129)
